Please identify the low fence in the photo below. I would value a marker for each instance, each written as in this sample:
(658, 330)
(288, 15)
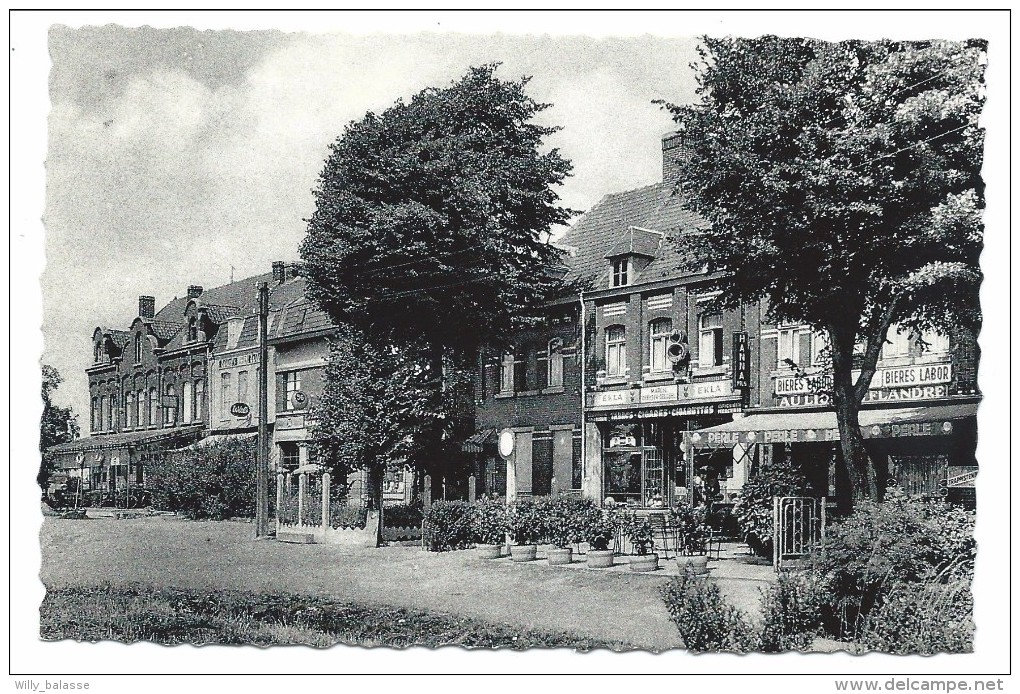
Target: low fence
(313, 508)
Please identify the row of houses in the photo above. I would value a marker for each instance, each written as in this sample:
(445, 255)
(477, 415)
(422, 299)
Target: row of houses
(188, 375)
(638, 389)
(641, 389)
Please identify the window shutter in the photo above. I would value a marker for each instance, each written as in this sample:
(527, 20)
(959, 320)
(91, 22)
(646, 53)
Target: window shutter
(805, 350)
(281, 392)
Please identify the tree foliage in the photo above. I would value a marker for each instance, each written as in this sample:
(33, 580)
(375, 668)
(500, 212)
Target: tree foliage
(57, 425)
(430, 217)
(842, 185)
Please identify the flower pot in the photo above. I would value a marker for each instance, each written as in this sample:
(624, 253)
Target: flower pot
(487, 551)
(523, 552)
(698, 564)
(600, 558)
(644, 562)
(558, 556)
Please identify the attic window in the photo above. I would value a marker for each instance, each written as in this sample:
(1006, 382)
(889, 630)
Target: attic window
(620, 266)
(192, 330)
(234, 326)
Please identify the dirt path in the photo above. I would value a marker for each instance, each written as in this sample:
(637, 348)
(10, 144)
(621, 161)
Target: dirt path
(173, 552)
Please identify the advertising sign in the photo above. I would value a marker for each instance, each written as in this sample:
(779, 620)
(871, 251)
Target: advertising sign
(240, 409)
(741, 361)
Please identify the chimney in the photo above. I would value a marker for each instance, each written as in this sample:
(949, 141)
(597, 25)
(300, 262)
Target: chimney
(674, 150)
(279, 272)
(194, 291)
(146, 306)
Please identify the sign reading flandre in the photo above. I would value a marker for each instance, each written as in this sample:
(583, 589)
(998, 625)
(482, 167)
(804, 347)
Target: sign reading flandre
(896, 377)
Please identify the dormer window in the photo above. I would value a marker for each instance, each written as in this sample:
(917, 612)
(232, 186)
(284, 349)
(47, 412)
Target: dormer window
(620, 268)
(192, 329)
(138, 348)
(98, 353)
(234, 327)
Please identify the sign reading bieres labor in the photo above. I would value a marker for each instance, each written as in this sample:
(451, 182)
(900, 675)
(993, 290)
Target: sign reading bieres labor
(918, 382)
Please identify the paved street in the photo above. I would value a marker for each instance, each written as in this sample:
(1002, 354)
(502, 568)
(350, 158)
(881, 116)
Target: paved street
(172, 552)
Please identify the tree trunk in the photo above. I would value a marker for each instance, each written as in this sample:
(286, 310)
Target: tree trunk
(375, 478)
(847, 403)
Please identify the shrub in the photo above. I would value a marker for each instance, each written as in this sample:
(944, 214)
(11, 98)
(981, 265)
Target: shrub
(403, 516)
(345, 515)
(691, 528)
(525, 522)
(704, 620)
(791, 610)
(880, 547)
(489, 521)
(448, 526)
(935, 618)
(638, 531)
(753, 509)
(599, 529)
(215, 481)
(565, 519)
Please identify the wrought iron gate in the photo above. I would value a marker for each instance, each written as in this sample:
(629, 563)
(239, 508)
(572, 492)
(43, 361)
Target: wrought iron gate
(797, 523)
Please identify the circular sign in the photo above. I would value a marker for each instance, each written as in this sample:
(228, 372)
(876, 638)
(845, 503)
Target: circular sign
(240, 409)
(80, 458)
(506, 443)
(300, 399)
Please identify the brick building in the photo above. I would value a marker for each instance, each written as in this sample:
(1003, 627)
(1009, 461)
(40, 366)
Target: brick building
(679, 393)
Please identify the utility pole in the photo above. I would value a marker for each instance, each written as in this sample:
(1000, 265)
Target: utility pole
(262, 472)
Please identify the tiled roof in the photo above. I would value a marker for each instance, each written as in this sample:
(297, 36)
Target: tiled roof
(241, 294)
(637, 241)
(164, 330)
(597, 232)
(218, 313)
(299, 317)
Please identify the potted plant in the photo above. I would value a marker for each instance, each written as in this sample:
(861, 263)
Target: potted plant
(599, 533)
(490, 527)
(525, 523)
(564, 527)
(692, 535)
(639, 531)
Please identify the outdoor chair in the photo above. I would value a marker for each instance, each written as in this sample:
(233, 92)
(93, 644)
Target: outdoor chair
(713, 544)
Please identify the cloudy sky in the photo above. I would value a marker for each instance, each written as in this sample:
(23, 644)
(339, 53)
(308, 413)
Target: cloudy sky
(177, 155)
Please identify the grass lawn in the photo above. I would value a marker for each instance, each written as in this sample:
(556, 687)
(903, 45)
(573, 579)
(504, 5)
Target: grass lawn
(175, 616)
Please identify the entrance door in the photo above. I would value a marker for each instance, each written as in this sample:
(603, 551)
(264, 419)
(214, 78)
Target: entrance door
(623, 476)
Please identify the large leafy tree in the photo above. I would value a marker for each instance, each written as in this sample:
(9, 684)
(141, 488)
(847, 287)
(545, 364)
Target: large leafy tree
(430, 239)
(57, 425)
(842, 185)
(432, 219)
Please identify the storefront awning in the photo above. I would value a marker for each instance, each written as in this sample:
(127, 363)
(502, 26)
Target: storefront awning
(68, 453)
(477, 441)
(217, 439)
(807, 427)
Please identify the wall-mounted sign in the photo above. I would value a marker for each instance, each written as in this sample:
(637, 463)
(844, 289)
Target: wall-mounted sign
(611, 398)
(300, 399)
(289, 422)
(741, 361)
(895, 377)
(669, 393)
(240, 409)
(506, 443)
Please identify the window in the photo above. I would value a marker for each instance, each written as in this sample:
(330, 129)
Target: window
(555, 373)
(140, 408)
(98, 352)
(659, 331)
(897, 343)
(521, 368)
(933, 343)
(96, 415)
(192, 330)
(226, 391)
(153, 406)
(290, 456)
(710, 345)
(138, 348)
(170, 405)
(199, 400)
(242, 386)
(616, 351)
(506, 373)
(620, 267)
(188, 407)
(821, 350)
(129, 415)
(293, 386)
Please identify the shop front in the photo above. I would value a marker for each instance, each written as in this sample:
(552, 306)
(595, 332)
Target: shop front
(641, 433)
(924, 450)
